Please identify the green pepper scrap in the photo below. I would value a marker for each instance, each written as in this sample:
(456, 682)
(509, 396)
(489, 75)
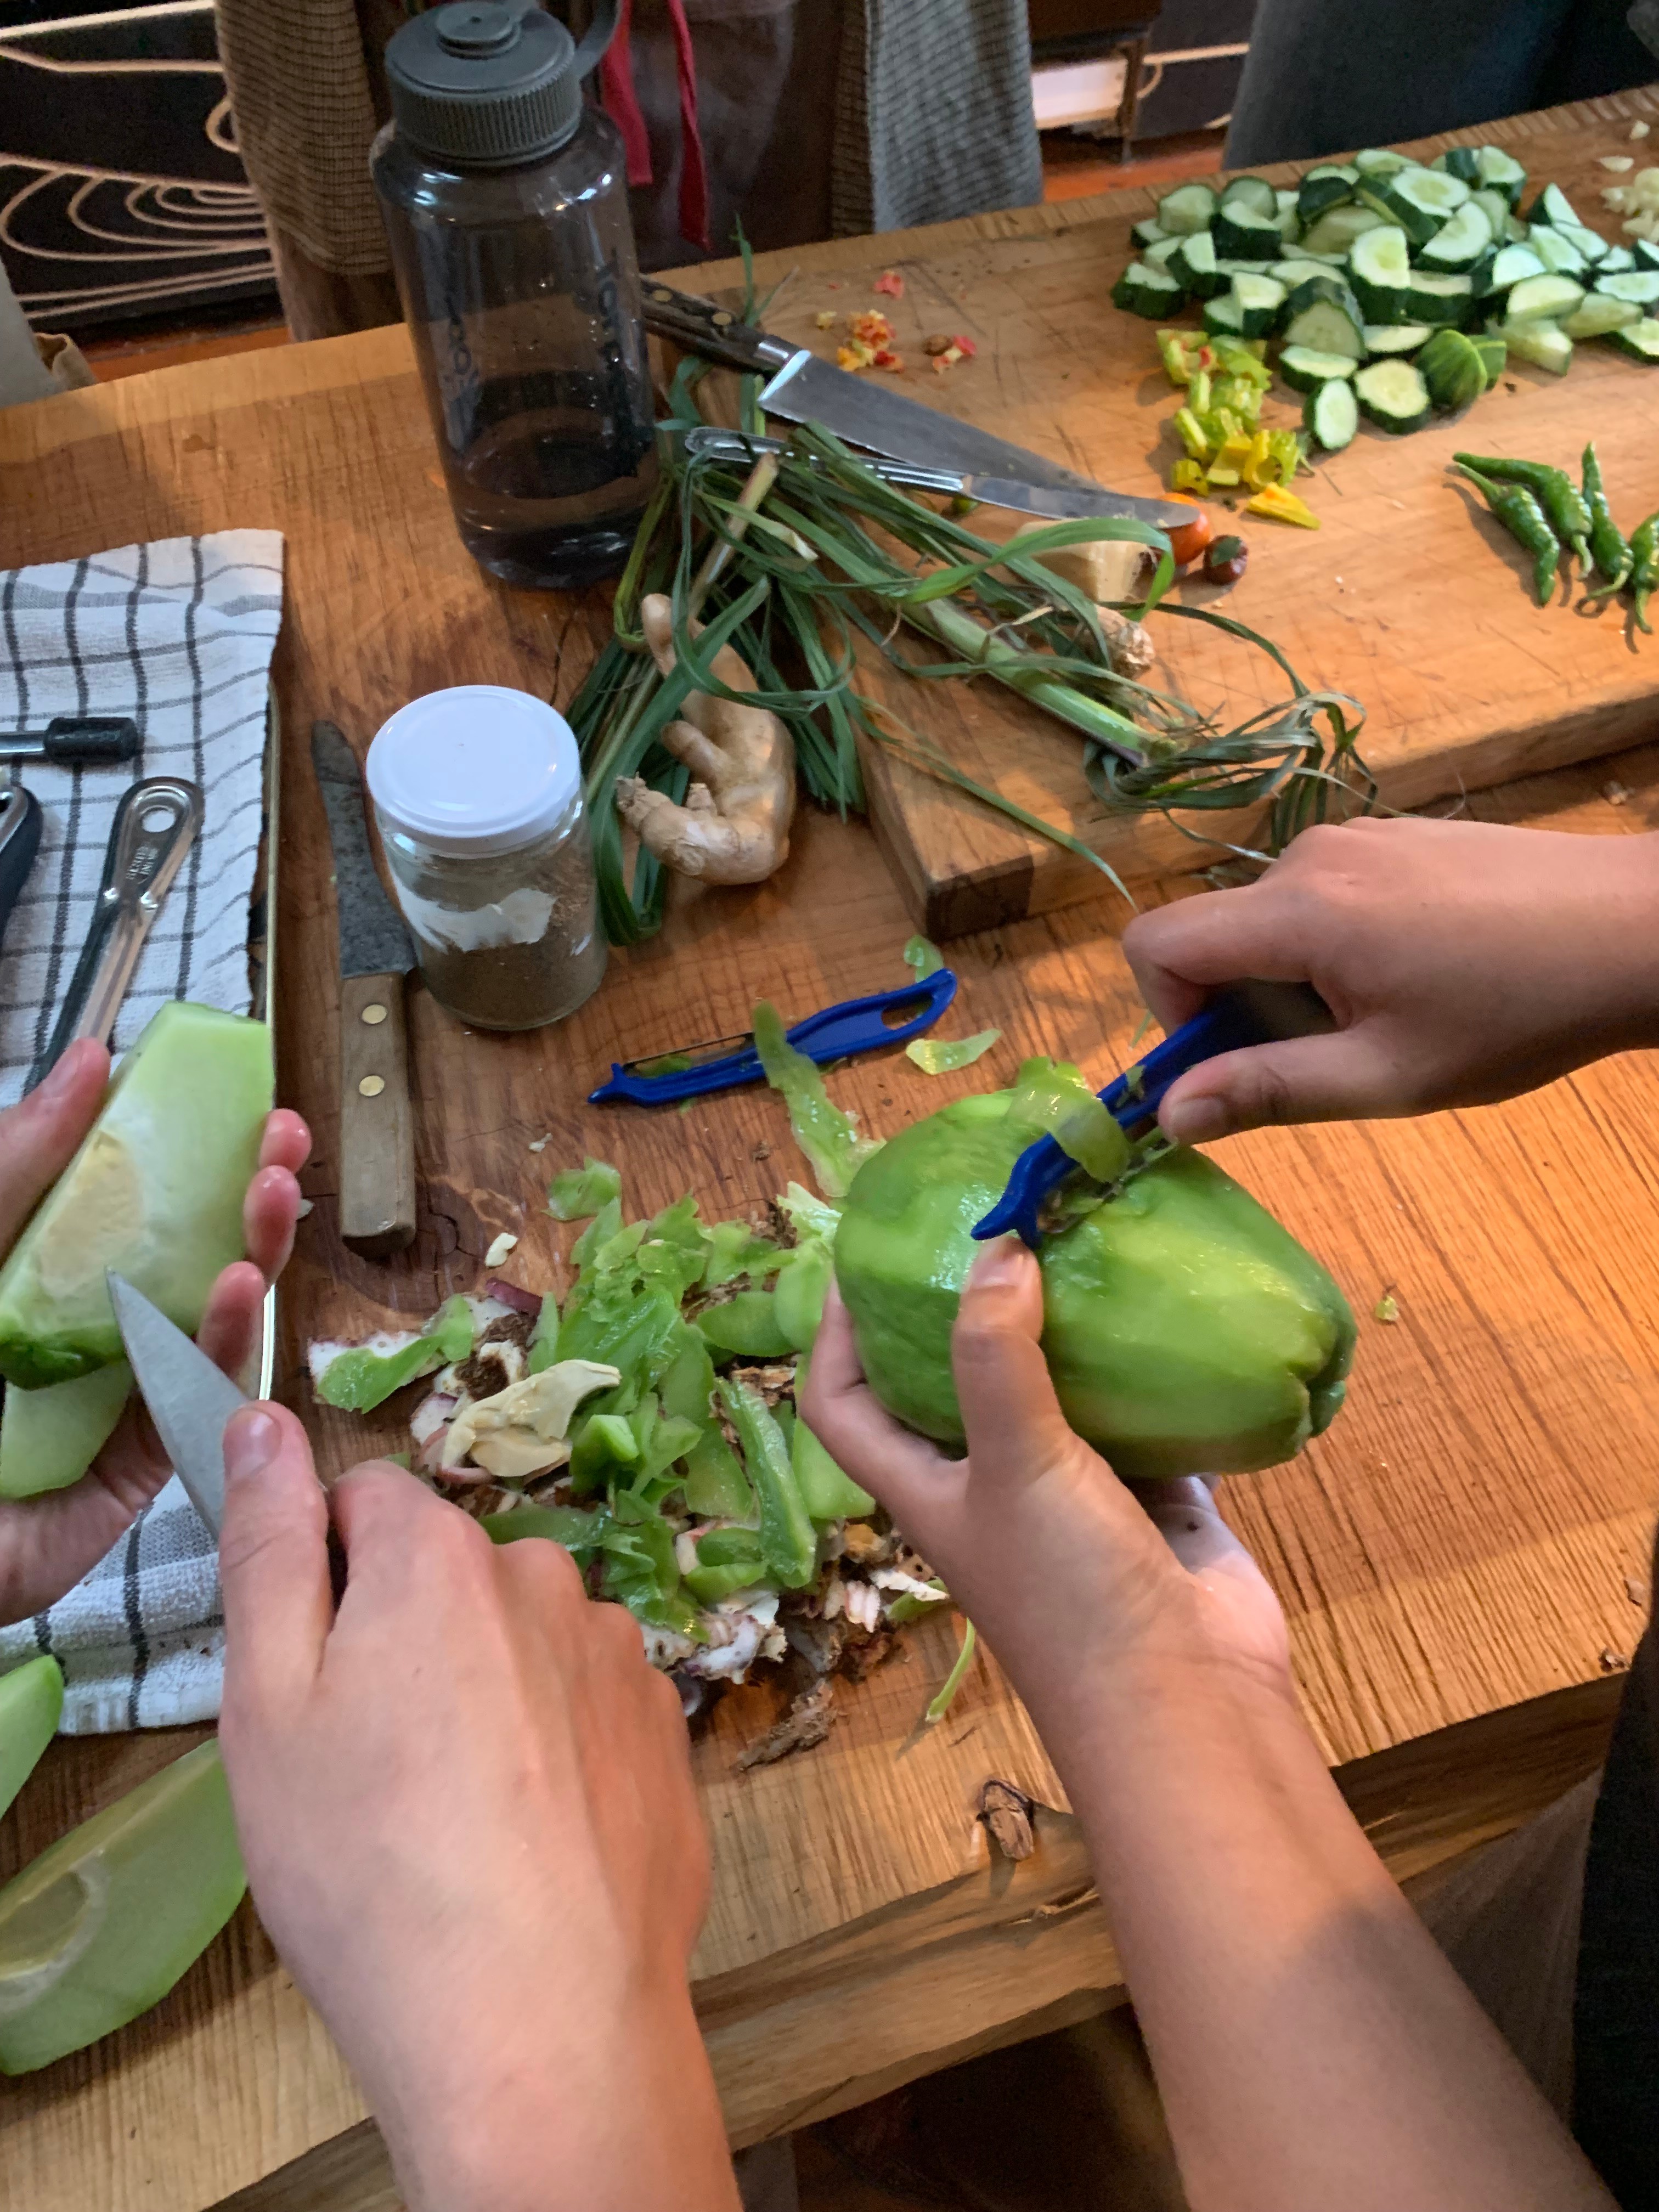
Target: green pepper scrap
(1644, 568)
(1613, 556)
(1526, 522)
(1554, 490)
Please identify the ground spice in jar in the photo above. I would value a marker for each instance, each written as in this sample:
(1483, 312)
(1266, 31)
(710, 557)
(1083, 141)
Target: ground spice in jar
(478, 795)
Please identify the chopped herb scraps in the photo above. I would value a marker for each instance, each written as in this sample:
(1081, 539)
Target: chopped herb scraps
(579, 1194)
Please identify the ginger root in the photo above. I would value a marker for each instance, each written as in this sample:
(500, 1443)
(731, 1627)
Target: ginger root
(1106, 569)
(734, 825)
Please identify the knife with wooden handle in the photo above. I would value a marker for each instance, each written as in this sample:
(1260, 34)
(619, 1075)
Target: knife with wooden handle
(376, 1131)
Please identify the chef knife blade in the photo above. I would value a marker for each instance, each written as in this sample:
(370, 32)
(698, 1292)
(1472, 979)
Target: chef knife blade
(1051, 501)
(190, 1400)
(377, 1138)
(803, 389)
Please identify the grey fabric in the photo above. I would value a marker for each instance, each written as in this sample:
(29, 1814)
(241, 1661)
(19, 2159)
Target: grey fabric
(933, 113)
(1325, 76)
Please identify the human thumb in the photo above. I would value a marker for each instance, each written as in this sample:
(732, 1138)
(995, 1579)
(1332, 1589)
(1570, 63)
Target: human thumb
(1346, 1076)
(273, 1560)
(1016, 1429)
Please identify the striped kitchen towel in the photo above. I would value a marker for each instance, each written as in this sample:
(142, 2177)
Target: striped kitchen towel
(179, 635)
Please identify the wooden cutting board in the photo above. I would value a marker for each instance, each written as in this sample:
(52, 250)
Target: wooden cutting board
(1408, 597)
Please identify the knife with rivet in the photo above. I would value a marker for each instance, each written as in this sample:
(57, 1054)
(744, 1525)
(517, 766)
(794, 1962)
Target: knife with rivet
(377, 1134)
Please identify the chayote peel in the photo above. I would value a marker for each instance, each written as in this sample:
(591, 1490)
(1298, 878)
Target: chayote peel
(1186, 1332)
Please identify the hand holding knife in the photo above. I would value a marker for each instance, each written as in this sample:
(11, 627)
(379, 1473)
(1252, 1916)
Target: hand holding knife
(377, 1136)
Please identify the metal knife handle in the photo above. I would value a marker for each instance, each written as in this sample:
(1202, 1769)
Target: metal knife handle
(704, 326)
(377, 1131)
(155, 824)
(20, 841)
(739, 447)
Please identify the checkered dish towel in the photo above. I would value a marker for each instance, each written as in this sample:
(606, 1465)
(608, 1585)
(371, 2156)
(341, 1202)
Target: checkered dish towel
(179, 635)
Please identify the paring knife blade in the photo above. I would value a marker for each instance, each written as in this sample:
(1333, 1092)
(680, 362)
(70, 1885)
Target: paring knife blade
(803, 389)
(377, 1136)
(190, 1400)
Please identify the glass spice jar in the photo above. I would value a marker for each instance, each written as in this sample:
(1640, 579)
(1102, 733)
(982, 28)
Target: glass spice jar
(477, 796)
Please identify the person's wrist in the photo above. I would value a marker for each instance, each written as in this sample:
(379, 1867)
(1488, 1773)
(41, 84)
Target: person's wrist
(1634, 976)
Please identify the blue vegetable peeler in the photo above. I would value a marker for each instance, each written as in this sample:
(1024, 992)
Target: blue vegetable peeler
(1245, 1013)
(855, 1026)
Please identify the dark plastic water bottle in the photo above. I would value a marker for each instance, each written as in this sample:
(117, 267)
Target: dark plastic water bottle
(506, 199)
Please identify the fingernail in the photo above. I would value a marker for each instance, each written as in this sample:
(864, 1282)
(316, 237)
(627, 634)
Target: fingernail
(251, 1444)
(62, 1080)
(999, 1265)
(1196, 1120)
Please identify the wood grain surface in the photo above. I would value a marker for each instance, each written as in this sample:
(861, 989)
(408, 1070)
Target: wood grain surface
(1408, 597)
(1462, 1561)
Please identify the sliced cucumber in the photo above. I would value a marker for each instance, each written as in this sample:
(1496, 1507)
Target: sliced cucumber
(1592, 247)
(1497, 209)
(1382, 162)
(1493, 354)
(1148, 231)
(1460, 161)
(1645, 254)
(1418, 200)
(1640, 340)
(1544, 343)
(1164, 253)
(1641, 285)
(1432, 299)
(49, 1439)
(1193, 267)
(1324, 187)
(1224, 314)
(1260, 299)
(1501, 170)
(1556, 251)
(1380, 268)
(1320, 284)
(1395, 337)
(1292, 274)
(1253, 192)
(1544, 297)
(31, 1705)
(1459, 244)
(1392, 395)
(1336, 232)
(1330, 415)
(1553, 207)
(1328, 327)
(1285, 200)
(1290, 225)
(1509, 265)
(1245, 234)
(1188, 209)
(1599, 314)
(1143, 289)
(1453, 370)
(1304, 370)
(1616, 257)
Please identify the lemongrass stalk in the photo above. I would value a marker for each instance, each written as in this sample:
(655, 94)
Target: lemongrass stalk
(953, 1681)
(1024, 672)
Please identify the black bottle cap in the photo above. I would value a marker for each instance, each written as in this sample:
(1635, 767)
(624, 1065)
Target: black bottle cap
(490, 84)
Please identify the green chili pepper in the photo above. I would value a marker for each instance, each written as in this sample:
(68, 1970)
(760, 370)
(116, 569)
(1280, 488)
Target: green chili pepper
(1613, 556)
(1525, 520)
(1644, 568)
(1554, 490)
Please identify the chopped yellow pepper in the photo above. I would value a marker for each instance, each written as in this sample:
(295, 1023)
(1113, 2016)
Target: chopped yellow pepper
(1261, 465)
(1187, 476)
(1236, 452)
(1283, 507)
(1222, 472)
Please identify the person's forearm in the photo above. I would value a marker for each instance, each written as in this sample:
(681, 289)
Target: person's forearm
(1313, 2046)
(588, 2116)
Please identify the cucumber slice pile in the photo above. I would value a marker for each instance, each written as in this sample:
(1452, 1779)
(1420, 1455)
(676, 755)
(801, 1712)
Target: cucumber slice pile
(1395, 289)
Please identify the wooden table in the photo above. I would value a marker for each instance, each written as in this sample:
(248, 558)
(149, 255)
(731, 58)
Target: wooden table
(1463, 1560)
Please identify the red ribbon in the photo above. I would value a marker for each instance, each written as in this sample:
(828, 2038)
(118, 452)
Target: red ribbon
(621, 103)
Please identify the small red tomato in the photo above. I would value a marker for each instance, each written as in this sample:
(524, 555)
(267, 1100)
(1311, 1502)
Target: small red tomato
(1188, 542)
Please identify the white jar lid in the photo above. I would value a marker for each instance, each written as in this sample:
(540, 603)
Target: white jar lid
(475, 770)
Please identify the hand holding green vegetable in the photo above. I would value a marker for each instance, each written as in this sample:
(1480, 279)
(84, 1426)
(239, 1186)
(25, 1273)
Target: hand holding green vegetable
(47, 1543)
(1465, 963)
(466, 1808)
(1065, 1571)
